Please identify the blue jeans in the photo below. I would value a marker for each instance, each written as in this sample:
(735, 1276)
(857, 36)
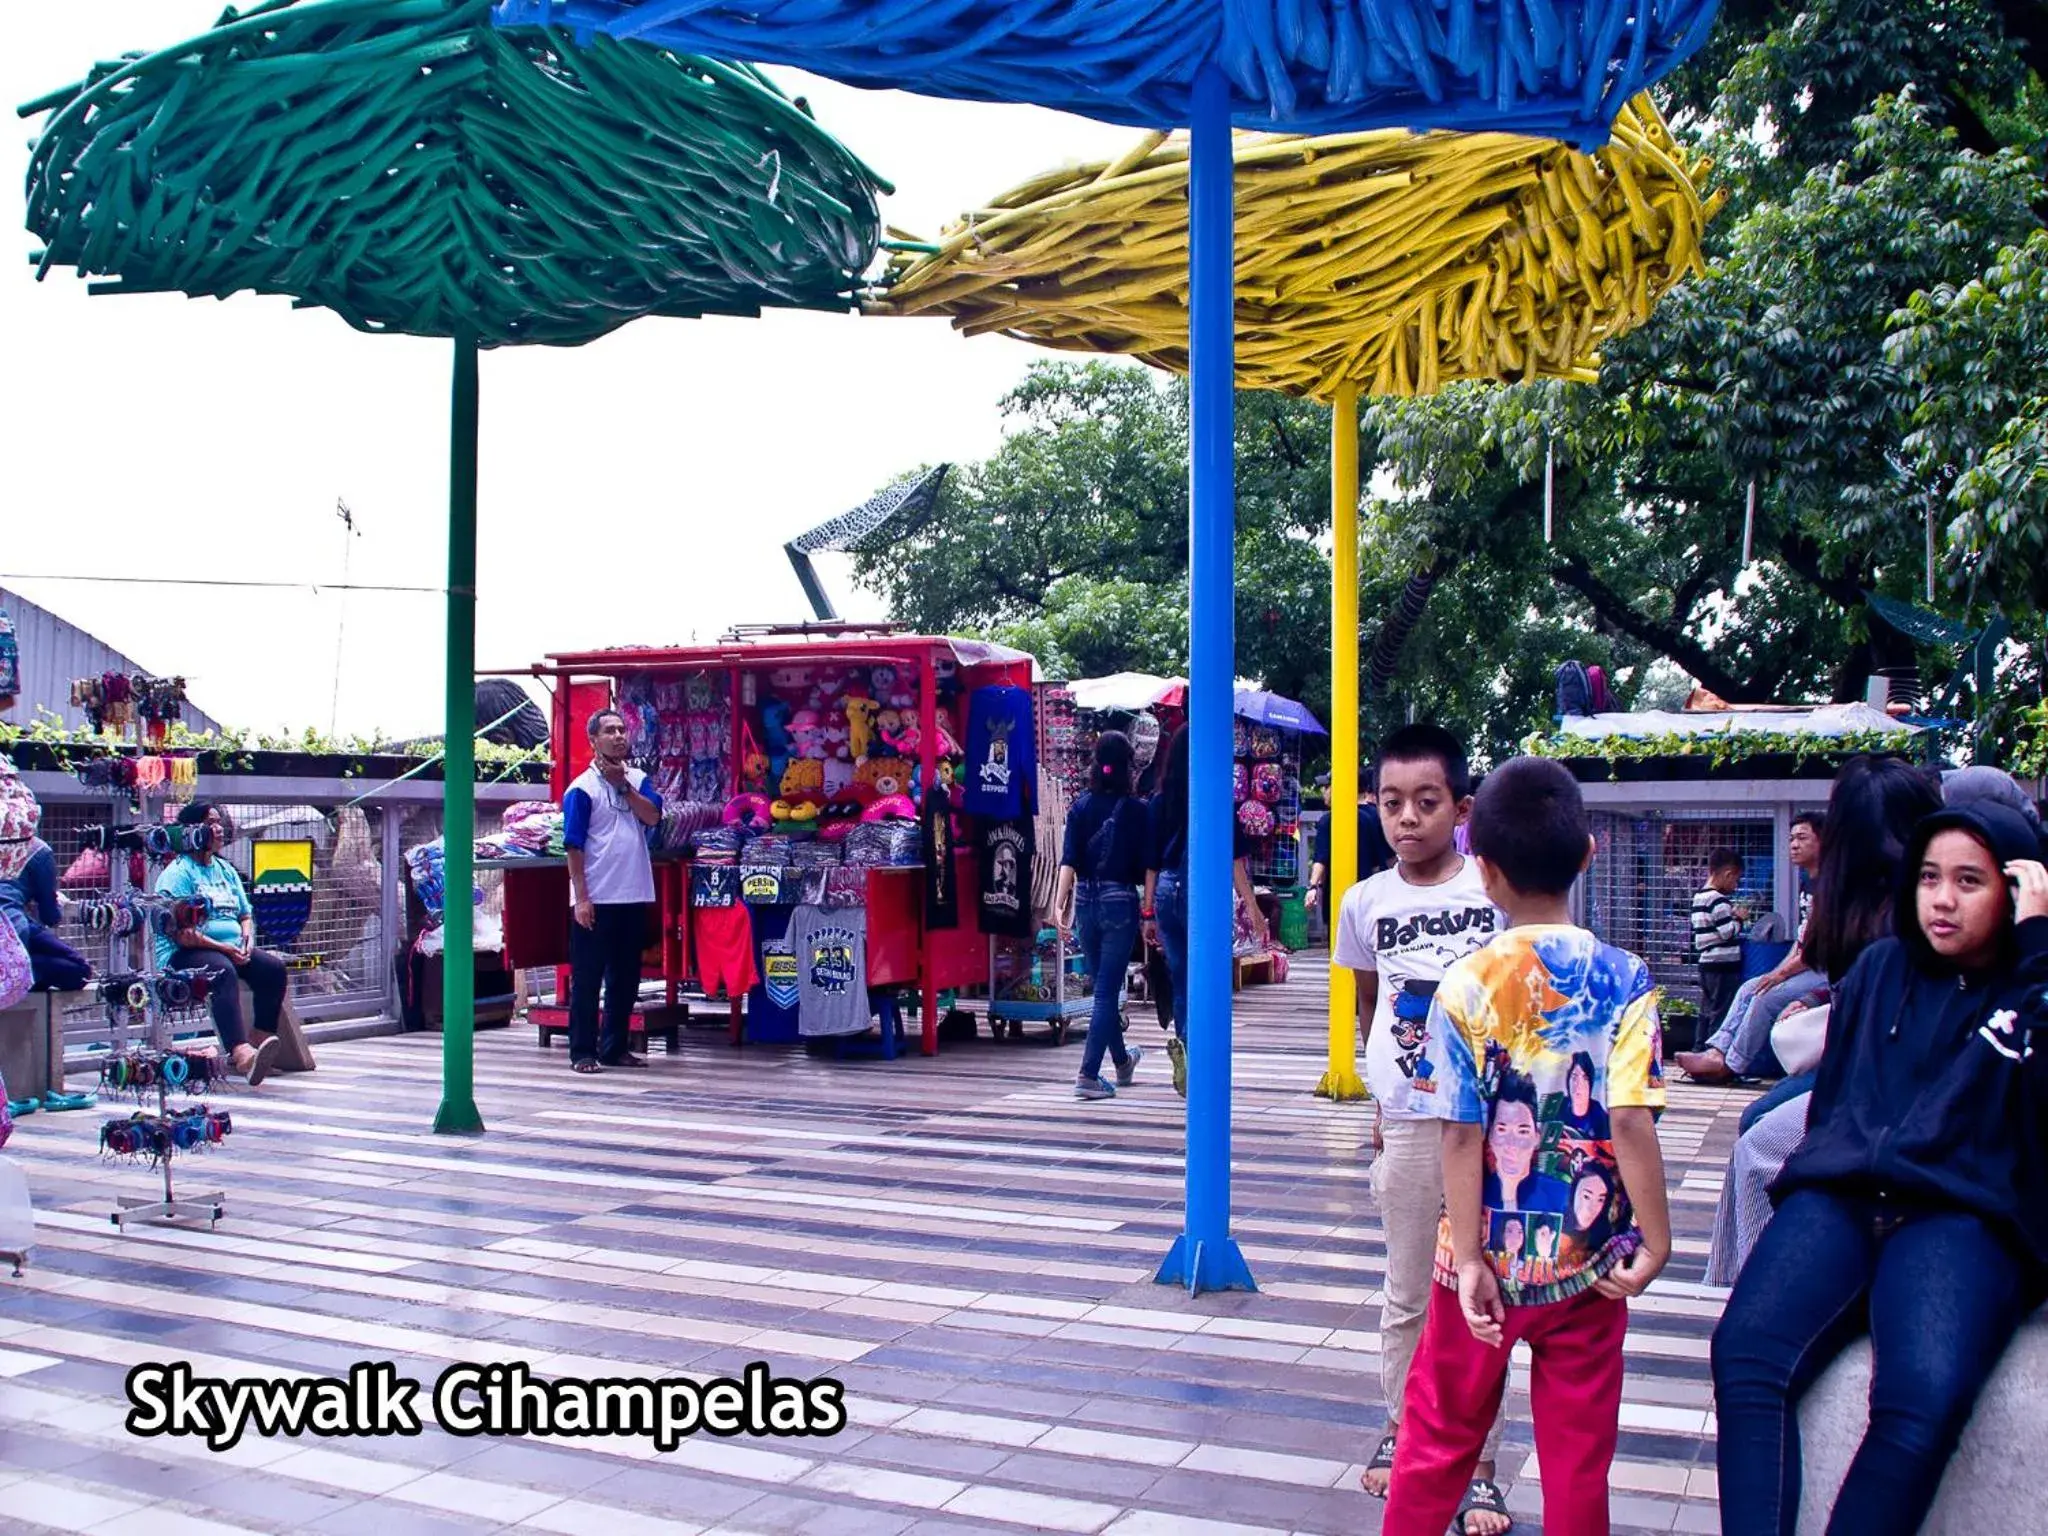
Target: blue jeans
(1107, 915)
(1940, 1296)
(1170, 910)
(1744, 1038)
(1783, 1091)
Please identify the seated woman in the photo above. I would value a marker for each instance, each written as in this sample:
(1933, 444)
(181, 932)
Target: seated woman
(223, 944)
(1875, 804)
(28, 903)
(1916, 1208)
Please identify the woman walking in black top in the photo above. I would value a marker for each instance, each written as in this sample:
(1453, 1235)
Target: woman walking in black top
(1109, 838)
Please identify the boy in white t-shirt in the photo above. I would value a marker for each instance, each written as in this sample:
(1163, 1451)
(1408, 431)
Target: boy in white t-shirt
(1399, 932)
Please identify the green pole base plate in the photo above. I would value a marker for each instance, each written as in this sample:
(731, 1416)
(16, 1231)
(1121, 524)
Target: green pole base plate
(458, 1117)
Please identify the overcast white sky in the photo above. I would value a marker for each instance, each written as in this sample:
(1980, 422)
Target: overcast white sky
(634, 491)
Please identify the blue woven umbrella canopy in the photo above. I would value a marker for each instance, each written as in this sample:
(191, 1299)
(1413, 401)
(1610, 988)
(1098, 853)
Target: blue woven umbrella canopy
(1560, 69)
(1550, 68)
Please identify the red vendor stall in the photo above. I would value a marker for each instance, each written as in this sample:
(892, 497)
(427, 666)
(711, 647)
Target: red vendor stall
(817, 735)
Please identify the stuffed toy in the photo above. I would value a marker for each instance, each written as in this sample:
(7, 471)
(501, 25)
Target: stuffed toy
(860, 724)
(885, 776)
(749, 811)
(838, 777)
(754, 772)
(807, 733)
(775, 716)
(837, 738)
(949, 739)
(906, 738)
(804, 779)
(838, 818)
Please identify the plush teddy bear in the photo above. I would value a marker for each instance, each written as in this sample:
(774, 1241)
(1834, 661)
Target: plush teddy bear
(884, 776)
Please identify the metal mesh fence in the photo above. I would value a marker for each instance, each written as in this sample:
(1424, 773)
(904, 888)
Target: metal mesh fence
(1640, 888)
(339, 960)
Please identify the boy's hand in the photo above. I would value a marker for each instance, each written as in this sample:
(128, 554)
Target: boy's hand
(1633, 1276)
(1479, 1300)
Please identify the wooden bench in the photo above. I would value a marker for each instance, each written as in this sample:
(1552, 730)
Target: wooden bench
(294, 1051)
(1998, 1480)
(658, 1022)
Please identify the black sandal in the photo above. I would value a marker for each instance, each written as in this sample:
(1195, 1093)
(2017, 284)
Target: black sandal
(587, 1064)
(1382, 1461)
(1484, 1497)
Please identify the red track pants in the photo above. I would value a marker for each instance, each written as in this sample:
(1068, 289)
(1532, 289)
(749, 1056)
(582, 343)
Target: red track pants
(1454, 1391)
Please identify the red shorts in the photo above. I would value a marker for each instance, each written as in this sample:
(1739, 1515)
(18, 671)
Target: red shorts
(723, 940)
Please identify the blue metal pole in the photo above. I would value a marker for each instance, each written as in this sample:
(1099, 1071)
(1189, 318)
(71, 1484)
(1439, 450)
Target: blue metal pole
(1205, 1257)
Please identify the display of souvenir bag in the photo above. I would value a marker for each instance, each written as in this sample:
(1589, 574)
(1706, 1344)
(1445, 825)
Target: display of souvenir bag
(1267, 783)
(90, 871)
(1255, 818)
(1240, 782)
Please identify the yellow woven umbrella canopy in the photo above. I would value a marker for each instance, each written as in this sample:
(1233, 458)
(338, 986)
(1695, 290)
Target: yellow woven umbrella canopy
(1389, 262)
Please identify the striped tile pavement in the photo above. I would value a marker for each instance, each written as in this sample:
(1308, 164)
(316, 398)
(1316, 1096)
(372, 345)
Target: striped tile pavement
(958, 1241)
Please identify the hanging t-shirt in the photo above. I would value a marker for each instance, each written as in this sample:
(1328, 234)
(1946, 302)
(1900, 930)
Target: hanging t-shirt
(772, 1005)
(941, 893)
(1410, 935)
(831, 949)
(1005, 851)
(1529, 1037)
(714, 885)
(1001, 775)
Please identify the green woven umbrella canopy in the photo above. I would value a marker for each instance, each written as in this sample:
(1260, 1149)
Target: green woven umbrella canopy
(409, 167)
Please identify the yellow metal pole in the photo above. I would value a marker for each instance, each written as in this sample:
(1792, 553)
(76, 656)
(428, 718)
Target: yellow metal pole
(1342, 1081)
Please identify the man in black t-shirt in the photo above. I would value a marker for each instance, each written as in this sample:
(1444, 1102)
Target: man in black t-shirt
(1375, 853)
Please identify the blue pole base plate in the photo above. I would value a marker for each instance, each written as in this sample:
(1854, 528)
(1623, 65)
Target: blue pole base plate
(1213, 1264)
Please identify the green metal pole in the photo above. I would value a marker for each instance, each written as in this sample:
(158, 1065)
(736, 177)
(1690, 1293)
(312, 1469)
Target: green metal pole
(458, 1112)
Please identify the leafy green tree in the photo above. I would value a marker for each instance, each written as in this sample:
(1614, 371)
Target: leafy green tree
(1071, 541)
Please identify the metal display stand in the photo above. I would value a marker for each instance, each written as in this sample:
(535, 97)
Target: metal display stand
(156, 1019)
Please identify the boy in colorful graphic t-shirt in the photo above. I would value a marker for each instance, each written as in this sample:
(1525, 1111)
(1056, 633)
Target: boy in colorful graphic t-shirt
(1542, 1059)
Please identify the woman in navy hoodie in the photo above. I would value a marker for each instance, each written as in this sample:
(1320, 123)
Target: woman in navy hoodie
(1917, 1207)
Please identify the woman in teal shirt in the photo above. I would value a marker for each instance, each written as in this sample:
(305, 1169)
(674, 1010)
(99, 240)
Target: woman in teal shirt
(223, 945)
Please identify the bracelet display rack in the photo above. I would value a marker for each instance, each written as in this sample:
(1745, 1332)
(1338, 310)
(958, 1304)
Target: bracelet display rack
(151, 999)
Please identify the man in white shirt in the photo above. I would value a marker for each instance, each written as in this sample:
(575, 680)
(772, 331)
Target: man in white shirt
(608, 814)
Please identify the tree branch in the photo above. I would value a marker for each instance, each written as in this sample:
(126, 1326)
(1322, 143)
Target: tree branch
(1666, 640)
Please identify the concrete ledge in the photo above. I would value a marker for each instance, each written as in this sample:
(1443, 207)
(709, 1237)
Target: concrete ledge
(32, 1047)
(1998, 1480)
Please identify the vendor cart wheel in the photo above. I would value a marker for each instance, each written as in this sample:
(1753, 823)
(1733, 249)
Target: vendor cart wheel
(1059, 1031)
